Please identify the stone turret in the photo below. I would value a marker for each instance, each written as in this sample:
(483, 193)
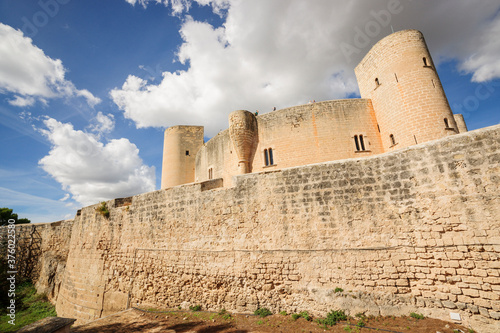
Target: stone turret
(180, 147)
(400, 78)
(244, 135)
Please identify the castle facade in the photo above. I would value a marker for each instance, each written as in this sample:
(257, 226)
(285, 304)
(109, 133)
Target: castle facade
(402, 104)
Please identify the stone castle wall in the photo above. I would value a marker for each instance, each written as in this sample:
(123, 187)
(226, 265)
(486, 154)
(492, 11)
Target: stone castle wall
(412, 230)
(41, 254)
(299, 135)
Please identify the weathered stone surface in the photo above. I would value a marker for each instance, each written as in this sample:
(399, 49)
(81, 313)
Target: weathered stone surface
(287, 239)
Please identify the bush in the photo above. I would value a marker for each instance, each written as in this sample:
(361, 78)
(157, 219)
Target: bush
(262, 312)
(305, 315)
(295, 316)
(417, 315)
(195, 308)
(333, 317)
(338, 290)
(103, 209)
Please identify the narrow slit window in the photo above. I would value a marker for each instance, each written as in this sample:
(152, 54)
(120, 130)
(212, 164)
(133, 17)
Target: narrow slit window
(446, 123)
(187, 152)
(377, 82)
(425, 61)
(266, 157)
(210, 173)
(393, 140)
(361, 142)
(395, 75)
(356, 142)
(271, 159)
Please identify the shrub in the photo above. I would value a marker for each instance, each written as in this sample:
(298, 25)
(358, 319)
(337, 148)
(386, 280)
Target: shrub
(417, 315)
(338, 290)
(103, 209)
(305, 315)
(295, 316)
(262, 312)
(333, 317)
(195, 308)
(283, 313)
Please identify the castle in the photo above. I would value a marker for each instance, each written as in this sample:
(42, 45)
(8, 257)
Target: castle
(411, 227)
(402, 104)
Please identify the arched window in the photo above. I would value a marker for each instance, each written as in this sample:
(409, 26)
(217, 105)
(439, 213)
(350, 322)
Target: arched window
(425, 61)
(446, 123)
(393, 140)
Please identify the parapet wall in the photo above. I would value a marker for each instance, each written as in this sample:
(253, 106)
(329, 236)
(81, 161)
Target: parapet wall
(412, 230)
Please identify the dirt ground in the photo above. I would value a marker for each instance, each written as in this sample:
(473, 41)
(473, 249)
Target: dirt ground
(134, 320)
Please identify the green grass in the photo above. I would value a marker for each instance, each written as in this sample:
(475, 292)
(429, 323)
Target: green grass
(30, 307)
(417, 315)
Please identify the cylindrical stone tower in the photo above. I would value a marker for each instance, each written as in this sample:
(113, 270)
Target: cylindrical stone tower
(181, 144)
(459, 119)
(244, 135)
(400, 78)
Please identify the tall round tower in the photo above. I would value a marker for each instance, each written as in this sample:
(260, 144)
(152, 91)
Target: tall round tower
(181, 144)
(244, 135)
(400, 78)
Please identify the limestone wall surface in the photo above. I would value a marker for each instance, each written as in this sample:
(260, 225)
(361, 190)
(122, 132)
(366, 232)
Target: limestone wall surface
(299, 135)
(41, 254)
(412, 230)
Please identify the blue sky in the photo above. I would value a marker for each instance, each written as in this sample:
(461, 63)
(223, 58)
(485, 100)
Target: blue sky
(87, 87)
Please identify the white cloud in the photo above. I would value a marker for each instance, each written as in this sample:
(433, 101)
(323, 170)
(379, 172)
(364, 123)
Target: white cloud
(485, 63)
(66, 197)
(31, 75)
(102, 124)
(22, 101)
(286, 52)
(92, 171)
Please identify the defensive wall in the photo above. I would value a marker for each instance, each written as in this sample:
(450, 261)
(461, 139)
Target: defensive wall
(412, 230)
(41, 254)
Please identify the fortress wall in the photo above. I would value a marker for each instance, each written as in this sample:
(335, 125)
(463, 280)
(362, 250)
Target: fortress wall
(41, 254)
(300, 135)
(413, 230)
(219, 155)
(409, 101)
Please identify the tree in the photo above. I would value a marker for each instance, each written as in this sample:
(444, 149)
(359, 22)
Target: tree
(6, 215)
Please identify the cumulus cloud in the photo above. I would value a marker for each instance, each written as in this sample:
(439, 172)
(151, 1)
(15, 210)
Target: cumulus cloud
(31, 75)
(286, 52)
(485, 63)
(102, 124)
(91, 170)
